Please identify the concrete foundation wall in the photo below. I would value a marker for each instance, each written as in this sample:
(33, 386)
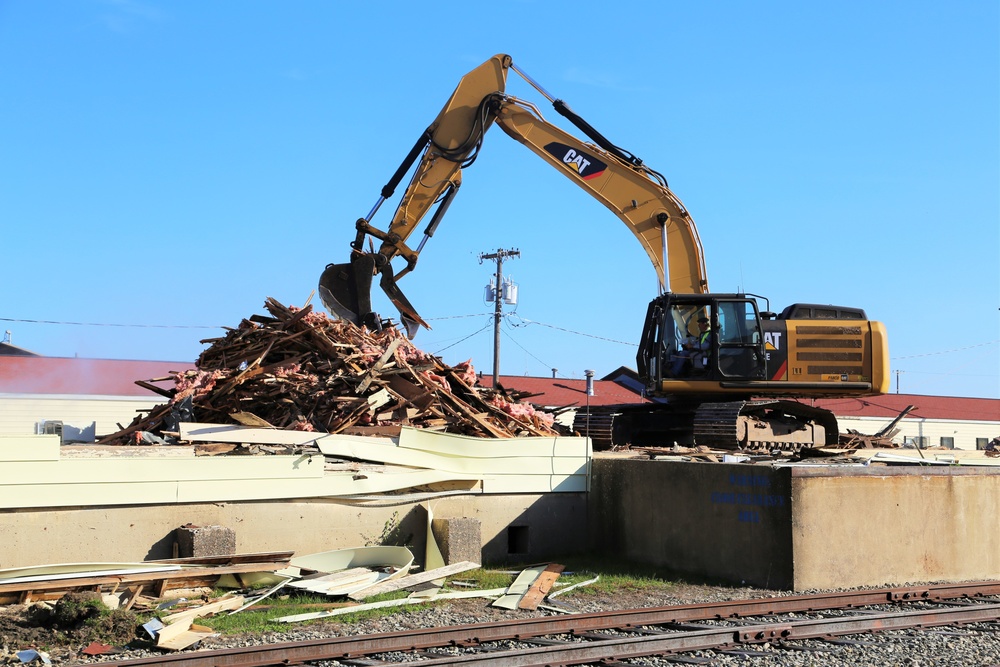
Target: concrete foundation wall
(895, 525)
(715, 521)
(548, 525)
(799, 528)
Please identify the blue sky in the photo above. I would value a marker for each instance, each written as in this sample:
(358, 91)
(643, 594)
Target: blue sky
(166, 166)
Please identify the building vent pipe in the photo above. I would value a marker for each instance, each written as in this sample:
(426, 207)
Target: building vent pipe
(590, 382)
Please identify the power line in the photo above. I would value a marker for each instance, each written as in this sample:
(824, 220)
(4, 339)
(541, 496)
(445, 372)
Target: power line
(488, 325)
(102, 324)
(451, 317)
(456, 317)
(957, 349)
(578, 333)
(526, 351)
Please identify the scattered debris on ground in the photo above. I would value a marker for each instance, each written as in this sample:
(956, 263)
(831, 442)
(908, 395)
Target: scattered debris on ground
(298, 369)
(86, 612)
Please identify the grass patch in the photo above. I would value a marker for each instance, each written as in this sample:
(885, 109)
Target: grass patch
(614, 577)
(263, 617)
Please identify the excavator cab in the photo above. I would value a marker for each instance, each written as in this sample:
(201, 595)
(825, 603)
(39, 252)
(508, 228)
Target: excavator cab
(698, 338)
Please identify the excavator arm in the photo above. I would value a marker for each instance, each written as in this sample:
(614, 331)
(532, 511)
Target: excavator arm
(636, 194)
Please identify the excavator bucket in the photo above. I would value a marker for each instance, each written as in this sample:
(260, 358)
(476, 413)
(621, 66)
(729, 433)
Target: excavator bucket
(407, 314)
(345, 290)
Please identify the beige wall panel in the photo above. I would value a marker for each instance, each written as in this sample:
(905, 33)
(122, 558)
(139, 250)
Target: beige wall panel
(19, 414)
(79, 495)
(248, 469)
(460, 445)
(29, 447)
(535, 484)
(508, 465)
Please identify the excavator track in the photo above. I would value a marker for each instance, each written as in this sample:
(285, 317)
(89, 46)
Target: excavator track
(716, 425)
(597, 423)
(732, 425)
(764, 425)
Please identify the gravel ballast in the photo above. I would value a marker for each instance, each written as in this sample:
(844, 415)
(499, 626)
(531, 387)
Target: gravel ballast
(970, 646)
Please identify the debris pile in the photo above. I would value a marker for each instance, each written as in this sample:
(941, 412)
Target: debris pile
(301, 370)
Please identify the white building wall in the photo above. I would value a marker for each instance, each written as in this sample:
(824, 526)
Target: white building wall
(83, 417)
(964, 433)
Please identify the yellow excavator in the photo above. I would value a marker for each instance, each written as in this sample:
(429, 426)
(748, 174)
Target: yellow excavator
(719, 369)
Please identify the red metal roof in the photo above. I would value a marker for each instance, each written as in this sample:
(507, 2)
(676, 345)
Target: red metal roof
(555, 392)
(116, 377)
(927, 407)
(558, 392)
(72, 375)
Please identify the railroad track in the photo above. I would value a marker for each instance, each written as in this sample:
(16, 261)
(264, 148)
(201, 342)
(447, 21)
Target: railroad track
(611, 636)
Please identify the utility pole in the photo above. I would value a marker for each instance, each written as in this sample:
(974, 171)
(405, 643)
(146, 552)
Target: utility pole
(499, 296)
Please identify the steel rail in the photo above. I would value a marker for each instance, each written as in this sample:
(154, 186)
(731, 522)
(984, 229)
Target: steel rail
(471, 635)
(611, 650)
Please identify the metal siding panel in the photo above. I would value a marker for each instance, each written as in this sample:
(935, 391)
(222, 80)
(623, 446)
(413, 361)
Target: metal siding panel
(29, 447)
(19, 414)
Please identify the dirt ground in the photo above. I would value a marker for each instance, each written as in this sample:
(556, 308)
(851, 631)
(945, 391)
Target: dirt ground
(62, 628)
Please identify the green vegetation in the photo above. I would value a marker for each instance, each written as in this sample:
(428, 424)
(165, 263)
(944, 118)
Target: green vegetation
(614, 577)
(261, 618)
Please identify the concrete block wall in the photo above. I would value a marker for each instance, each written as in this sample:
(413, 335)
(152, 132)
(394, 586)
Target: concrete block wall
(551, 525)
(799, 528)
(717, 522)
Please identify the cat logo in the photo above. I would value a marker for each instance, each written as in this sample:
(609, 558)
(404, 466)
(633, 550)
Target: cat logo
(585, 166)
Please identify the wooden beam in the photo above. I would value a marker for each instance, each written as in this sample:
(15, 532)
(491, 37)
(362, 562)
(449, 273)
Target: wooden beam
(541, 587)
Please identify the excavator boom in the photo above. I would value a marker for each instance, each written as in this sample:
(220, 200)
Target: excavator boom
(636, 194)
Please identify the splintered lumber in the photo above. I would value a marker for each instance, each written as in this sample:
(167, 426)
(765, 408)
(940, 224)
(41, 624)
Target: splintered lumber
(296, 369)
(178, 636)
(159, 580)
(224, 604)
(522, 584)
(541, 587)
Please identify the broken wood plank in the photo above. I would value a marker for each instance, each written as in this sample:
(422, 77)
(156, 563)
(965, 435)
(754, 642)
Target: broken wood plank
(519, 587)
(541, 587)
(178, 577)
(178, 640)
(222, 604)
